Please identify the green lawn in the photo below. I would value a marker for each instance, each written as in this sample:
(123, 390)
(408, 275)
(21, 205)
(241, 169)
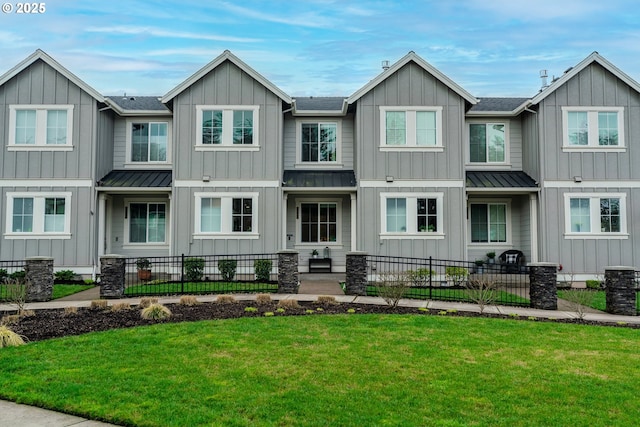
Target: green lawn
(455, 294)
(600, 299)
(169, 288)
(364, 370)
(59, 291)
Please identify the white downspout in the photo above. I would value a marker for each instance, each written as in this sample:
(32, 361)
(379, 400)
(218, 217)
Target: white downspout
(533, 218)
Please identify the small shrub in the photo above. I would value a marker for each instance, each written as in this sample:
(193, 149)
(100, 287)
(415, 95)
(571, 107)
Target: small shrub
(121, 306)
(514, 315)
(147, 301)
(393, 286)
(351, 310)
(99, 304)
(262, 299)
(10, 319)
(593, 284)
(4, 274)
(288, 303)
(188, 300)
(457, 275)
(579, 300)
(26, 313)
(18, 275)
(531, 318)
(16, 291)
(155, 312)
(482, 292)
(70, 311)
(452, 310)
(420, 277)
(90, 282)
(194, 269)
(423, 309)
(309, 311)
(226, 299)
(64, 275)
(268, 313)
(143, 264)
(8, 338)
(227, 269)
(280, 310)
(262, 269)
(326, 299)
(250, 309)
(442, 312)
(320, 309)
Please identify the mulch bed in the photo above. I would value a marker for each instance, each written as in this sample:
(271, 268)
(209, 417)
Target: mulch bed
(54, 323)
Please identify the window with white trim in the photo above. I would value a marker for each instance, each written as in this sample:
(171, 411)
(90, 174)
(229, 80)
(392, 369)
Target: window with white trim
(595, 214)
(487, 142)
(226, 214)
(227, 127)
(593, 128)
(415, 214)
(40, 127)
(489, 222)
(38, 215)
(147, 222)
(149, 142)
(318, 222)
(410, 127)
(318, 142)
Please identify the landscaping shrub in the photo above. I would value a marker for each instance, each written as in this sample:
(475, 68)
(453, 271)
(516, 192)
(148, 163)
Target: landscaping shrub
(155, 312)
(8, 338)
(194, 269)
(262, 269)
(227, 269)
(68, 311)
(147, 301)
(16, 291)
(421, 276)
(482, 292)
(457, 275)
(64, 275)
(226, 299)
(188, 300)
(10, 319)
(593, 284)
(326, 299)
(579, 300)
(3, 274)
(288, 303)
(18, 275)
(98, 304)
(393, 286)
(121, 306)
(263, 299)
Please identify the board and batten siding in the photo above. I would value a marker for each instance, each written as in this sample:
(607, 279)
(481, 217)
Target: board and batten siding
(105, 151)
(530, 145)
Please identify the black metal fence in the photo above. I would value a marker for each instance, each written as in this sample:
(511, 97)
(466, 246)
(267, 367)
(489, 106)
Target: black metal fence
(209, 274)
(449, 280)
(10, 272)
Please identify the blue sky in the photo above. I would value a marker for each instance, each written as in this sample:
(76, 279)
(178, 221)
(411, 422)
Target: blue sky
(324, 47)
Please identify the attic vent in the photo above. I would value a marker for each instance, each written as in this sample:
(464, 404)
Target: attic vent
(385, 65)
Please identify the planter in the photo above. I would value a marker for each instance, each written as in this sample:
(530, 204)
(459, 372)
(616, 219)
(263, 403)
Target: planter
(144, 274)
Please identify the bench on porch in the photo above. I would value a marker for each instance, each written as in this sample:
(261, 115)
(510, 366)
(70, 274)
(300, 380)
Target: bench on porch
(319, 265)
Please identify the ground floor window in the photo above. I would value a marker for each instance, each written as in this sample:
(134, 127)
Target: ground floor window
(225, 213)
(38, 214)
(147, 222)
(488, 222)
(595, 214)
(414, 214)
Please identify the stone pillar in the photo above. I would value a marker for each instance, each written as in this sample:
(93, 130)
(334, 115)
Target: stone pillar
(356, 277)
(39, 279)
(620, 290)
(543, 277)
(288, 280)
(112, 276)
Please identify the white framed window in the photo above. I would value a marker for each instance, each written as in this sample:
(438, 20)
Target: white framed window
(319, 221)
(318, 142)
(148, 142)
(595, 215)
(227, 127)
(488, 143)
(38, 215)
(593, 128)
(489, 222)
(146, 222)
(40, 127)
(412, 215)
(226, 215)
(411, 128)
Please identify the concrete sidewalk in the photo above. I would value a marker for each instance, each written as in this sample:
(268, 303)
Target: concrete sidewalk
(12, 414)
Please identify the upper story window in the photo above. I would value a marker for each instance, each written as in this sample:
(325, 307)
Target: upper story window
(595, 215)
(40, 127)
(319, 142)
(226, 215)
(403, 128)
(593, 128)
(227, 127)
(38, 215)
(412, 215)
(487, 142)
(149, 142)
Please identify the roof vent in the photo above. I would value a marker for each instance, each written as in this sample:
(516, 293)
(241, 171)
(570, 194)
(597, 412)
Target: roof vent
(543, 76)
(385, 65)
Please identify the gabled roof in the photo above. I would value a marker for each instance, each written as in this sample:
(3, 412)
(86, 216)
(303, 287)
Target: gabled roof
(498, 106)
(319, 106)
(41, 55)
(412, 57)
(594, 57)
(137, 105)
(225, 56)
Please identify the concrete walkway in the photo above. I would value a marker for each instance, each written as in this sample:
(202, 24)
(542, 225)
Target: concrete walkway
(311, 286)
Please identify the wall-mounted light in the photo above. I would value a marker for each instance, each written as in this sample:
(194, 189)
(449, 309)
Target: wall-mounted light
(577, 179)
(389, 179)
(206, 178)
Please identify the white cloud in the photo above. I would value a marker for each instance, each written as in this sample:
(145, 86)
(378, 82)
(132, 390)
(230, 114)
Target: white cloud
(157, 32)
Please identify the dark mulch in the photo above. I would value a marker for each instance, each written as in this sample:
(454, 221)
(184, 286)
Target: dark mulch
(55, 323)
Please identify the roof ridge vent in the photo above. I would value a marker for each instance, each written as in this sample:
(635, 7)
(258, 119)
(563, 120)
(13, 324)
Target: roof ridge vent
(385, 65)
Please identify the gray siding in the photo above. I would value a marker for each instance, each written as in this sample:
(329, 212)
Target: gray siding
(119, 143)
(530, 145)
(104, 161)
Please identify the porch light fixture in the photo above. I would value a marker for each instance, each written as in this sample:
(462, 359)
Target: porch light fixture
(389, 179)
(577, 179)
(206, 178)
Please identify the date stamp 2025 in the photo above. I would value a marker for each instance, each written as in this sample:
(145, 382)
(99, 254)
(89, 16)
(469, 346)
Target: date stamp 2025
(24, 8)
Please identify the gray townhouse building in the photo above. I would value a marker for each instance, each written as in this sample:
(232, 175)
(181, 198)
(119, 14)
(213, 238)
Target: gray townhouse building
(411, 164)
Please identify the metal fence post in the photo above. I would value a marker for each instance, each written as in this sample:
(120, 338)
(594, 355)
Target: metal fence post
(182, 273)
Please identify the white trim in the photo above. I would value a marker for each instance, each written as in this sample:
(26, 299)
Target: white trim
(533, 218)
(38, 215)
(227, 128)
(214, 183)
(53, 182)
(591, 184)
(410, 129)
(41, 128)
(226, 199)
(354, 222)
(397, 183)
(327, 164)
(167, 223)
(338, 202)
(411, 219)
(592, 123)
(594, 216)
(129, 136)
(507, 145)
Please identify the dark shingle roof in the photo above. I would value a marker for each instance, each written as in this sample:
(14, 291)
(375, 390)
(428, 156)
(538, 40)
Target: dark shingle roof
(322, 103)
(139, 103)
(137, 179)
(500, 179)
(498, 104)
(319, 179)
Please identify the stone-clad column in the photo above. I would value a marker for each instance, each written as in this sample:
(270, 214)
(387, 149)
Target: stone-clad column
(356, 276)
(39, 279)
(112, 276)
(620, 290)
(543, 292)
(288, 280)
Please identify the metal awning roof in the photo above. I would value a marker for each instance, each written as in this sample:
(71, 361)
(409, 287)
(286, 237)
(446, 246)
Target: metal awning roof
(136, 179)
(319, 179)
(501, 180)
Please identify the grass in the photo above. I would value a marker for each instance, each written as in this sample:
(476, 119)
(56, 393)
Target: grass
(298, 371)
(600, 299)
(59, 290)
(169, 288)
(456, 294)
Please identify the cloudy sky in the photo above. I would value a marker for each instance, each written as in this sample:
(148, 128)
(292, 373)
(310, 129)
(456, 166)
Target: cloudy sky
(323, 47)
